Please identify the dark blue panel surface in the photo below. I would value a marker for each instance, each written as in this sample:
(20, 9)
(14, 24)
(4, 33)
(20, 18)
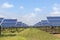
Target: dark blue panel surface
(9, 20)
(57, 21)
(20, 24)
(9, 23)
(53, 17)
(38, 24)
(54, 21)
(45, 23)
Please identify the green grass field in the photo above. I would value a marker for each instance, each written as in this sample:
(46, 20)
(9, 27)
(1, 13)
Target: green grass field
(28, 34)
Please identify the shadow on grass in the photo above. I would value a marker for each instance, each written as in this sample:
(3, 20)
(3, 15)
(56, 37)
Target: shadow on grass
(2, 35)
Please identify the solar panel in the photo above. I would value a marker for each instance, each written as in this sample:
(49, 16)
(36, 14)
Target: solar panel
(9, 23)
(20, 24)
(24, 25)
(9, 20)
(54, 21)
(44, 23)
(53, 18)
(38, 24)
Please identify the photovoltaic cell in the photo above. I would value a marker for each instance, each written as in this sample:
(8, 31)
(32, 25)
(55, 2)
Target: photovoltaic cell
(24, 25)
(9, 23)
(53, 18)
(9, 20)
(38, 24)
(44, 23)
(20, 24)
(54, 21)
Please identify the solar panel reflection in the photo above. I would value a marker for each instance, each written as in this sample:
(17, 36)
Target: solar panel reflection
(1, 19)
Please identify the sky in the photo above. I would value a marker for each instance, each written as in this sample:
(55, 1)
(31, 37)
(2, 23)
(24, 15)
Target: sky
(29, 11)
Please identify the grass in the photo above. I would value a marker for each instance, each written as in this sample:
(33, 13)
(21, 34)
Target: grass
(12, 38)
(35, 34)
(28, 34)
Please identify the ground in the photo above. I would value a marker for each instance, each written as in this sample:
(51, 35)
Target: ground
(28, 34)
(57, 35)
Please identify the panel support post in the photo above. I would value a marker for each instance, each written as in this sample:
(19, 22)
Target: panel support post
(0, 30)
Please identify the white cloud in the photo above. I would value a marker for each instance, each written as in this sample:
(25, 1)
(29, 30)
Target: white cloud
(2, 16)
(55, 13)
(56, 10)
(37, 10)
(29, 19)
(21, 7)
(7, 5)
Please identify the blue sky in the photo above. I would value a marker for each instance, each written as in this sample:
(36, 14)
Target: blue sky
(29, 11)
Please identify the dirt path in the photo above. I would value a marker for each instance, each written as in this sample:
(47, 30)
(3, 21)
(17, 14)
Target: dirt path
(57, 35)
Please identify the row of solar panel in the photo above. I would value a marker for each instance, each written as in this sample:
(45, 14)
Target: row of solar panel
(11, 23)
(51, 21)
(42, 23)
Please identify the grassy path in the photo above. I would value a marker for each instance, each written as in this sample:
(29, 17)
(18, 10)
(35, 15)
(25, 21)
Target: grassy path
(29, 34)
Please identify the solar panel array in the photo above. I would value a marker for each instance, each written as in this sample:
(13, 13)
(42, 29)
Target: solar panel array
(42, 23)
(51, 21)
(11, 23)
(54, 21)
